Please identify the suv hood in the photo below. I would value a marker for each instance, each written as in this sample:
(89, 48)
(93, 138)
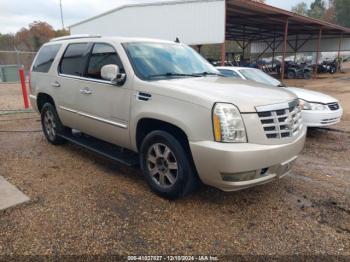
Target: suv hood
(246, 95)
(312, 96)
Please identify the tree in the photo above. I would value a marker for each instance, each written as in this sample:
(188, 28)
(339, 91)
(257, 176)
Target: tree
(317, 9)
(329, 14)
(7, 42)
(300, 9)
(342, 12)
(34, 37)
(61, 32)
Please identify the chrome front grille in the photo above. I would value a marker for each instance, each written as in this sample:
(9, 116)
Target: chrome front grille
(333, 106)
(281, 120)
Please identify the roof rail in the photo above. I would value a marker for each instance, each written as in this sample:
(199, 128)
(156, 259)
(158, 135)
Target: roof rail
(68, 37)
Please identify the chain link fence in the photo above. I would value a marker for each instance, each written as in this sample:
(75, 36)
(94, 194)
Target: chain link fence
(11, 61)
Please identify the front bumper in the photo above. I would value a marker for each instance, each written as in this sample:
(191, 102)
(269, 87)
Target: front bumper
(321, 118)
(217, 161)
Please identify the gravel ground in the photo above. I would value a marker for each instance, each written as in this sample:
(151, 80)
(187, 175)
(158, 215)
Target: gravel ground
(83, 204)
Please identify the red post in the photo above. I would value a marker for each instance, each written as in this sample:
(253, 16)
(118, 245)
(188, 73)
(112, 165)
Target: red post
(24, 88)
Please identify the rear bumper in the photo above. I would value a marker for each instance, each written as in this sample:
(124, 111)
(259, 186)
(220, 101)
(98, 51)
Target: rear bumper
(33, 102)
(232, 167)
(321, 118)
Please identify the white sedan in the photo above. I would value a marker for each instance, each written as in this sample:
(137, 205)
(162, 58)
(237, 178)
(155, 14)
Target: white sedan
(318, 109)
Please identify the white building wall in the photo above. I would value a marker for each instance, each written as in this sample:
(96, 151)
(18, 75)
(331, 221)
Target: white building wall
(327, 45)
(193, 22)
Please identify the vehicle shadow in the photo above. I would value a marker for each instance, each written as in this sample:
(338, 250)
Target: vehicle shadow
(203, 194)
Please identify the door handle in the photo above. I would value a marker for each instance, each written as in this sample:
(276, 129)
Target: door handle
(85, 91)
(55, 84)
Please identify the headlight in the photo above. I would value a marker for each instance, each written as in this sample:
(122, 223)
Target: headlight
(312, 106)
(228, 124)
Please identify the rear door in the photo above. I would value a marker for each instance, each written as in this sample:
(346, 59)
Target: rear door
(104, 107)
(42, 72)
(68, 83)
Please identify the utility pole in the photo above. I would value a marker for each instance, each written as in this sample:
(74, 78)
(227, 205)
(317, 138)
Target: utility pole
(61, 14)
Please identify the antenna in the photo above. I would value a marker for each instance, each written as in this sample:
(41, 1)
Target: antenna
(61, 14)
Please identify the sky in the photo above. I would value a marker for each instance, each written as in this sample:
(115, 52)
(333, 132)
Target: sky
(15, 14)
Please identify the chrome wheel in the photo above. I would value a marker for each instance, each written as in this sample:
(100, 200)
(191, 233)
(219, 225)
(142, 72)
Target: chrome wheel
(162, 165)
(50, 125)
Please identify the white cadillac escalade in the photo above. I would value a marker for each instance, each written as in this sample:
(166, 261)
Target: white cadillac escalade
(162, 101)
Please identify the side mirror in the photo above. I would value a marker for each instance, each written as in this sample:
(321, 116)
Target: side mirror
(112, 73)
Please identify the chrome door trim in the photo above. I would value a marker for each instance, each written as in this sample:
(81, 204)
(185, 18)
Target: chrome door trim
(68, 109)
(87, 79)
(100, 119)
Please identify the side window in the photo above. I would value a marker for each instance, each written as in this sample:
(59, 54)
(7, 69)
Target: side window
(102, 54)
(229, 73)
(73, 61)
(45, 58)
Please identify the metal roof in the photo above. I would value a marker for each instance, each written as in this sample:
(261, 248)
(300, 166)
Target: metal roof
(254, 21)
(147, 4)
(239, 20)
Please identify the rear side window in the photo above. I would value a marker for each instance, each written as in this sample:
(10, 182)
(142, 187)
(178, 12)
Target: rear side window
(102, 54)
(73, 61)
(45, 58)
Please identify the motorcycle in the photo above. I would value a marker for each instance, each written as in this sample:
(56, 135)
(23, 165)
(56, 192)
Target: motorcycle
(298, 71)
(327, 67)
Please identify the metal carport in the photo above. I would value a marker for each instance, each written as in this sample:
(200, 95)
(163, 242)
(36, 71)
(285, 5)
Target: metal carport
(250, 22)
(203, 22)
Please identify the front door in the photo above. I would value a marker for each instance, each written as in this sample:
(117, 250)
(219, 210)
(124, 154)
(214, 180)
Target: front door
(103, 108)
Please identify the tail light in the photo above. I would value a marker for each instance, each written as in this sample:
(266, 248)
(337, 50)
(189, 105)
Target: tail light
(30, 86)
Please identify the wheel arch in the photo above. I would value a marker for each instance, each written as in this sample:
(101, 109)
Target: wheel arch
(146, 125)
(43, 98)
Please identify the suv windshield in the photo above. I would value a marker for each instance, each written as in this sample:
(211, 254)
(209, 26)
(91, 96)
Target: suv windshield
(153, 61)
(259, 76)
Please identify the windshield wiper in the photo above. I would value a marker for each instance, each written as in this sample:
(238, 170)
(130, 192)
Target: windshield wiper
(173, 74)
(208, 74)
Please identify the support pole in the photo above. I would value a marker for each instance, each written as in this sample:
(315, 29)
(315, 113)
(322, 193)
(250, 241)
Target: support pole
(318, 52)
(273, 51)
(339, 61)
(284, 48)
(199, 48)
(223, 54)
(223, 45)
(340, 43)
(24, 88)
(296, 48)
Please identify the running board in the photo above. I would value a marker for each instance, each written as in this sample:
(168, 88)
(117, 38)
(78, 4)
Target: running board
(105, 149)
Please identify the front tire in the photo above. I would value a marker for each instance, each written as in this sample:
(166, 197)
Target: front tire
(167, 166)
(52, 125)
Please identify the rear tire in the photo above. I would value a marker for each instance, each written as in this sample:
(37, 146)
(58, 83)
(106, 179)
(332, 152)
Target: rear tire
(291, 75)
(51, 125)
(307, 75)
(167, 166)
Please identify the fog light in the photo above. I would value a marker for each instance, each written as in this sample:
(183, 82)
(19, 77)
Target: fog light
(240, 177)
